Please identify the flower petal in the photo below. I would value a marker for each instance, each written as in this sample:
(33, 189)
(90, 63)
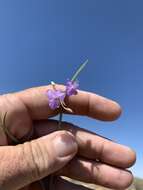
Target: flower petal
(71, 88)
(54, 98)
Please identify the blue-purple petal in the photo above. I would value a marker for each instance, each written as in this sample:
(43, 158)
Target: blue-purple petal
(54, 98)
(71, 88)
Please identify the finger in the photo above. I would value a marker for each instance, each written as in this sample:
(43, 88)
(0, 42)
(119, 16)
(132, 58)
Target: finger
(62, 184)
(92, 146)
(97, 173)
(31, 161)
(32, 104)
(84, 103)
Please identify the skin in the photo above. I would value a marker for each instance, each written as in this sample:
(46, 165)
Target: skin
(71, 152)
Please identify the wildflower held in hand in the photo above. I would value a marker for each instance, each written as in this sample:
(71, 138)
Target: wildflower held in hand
(56, 97)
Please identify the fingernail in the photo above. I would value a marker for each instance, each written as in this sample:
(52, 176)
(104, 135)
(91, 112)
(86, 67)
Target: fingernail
(65, 144)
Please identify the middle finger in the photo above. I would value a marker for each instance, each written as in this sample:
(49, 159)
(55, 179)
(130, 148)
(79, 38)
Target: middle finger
(91, 146)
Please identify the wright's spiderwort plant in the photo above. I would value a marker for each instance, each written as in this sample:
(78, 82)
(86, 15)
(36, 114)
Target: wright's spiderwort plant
(56, 97)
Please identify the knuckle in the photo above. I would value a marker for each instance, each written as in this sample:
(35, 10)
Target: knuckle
(31, 155)
(37, 159)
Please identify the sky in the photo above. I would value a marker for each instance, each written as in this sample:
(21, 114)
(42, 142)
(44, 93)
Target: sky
(44, 40)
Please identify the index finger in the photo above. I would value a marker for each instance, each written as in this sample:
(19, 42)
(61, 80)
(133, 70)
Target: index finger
(84, 103)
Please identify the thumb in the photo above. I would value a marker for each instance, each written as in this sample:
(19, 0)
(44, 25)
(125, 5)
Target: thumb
(31, 161)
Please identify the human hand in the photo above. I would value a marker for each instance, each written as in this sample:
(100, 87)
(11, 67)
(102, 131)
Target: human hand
(72, 152)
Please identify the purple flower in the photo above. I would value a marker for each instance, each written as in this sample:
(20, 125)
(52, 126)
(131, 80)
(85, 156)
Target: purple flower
(71, 88)
(55, 97)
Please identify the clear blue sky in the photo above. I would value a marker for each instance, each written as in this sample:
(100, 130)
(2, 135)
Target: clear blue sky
(44, 40)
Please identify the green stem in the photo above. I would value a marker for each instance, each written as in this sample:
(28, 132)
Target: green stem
(60, 120)
(79, 70)
(73, 79)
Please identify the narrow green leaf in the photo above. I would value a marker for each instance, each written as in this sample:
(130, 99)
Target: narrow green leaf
(79, 70)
